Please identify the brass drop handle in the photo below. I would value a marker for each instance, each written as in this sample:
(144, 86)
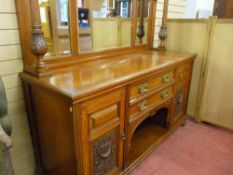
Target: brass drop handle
(142, 88)
(166, 78)
(164, 94)
(105, 150)
(142, 106)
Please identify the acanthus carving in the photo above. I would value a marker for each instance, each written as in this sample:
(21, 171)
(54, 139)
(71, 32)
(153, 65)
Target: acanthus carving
(141, 31)
(179, 101)
(39, 48)
(163, 37)
(104, 154)
(163, 29)
(38, 44)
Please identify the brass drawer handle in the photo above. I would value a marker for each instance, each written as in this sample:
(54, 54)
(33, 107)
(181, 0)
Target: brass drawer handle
(104, 150)
(164, 94)
(166, 78)
(142, 88)
(142, 106)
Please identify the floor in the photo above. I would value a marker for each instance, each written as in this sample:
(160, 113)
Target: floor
(195, 149)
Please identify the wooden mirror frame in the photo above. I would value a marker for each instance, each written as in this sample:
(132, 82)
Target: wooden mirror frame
(31, 33)
(113, 5)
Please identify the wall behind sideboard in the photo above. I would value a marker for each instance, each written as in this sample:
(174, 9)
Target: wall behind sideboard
(10, 65)
(188, 35)
(216, 104)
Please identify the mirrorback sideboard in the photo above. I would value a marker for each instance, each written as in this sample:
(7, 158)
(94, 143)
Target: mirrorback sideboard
(107, 115)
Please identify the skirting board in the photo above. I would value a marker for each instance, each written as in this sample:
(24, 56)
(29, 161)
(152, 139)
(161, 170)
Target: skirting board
(217, 124)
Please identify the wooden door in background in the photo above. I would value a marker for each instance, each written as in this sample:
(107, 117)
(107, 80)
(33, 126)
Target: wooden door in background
(217, 106)
(223, 8)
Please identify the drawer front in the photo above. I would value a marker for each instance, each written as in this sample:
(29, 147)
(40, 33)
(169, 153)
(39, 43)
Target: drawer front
(150, 84)
(150, 101)
(104, 116)
(103, 112)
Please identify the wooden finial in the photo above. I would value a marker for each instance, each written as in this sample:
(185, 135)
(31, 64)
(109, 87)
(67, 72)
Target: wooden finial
(39, 49)
(163, 29)
(141, 31)
(38, 44)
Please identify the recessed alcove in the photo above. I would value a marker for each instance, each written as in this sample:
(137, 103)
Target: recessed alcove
(148, 133)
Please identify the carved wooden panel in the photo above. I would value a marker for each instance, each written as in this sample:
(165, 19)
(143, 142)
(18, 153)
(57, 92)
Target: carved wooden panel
(179, 102)
(103, 124)
(104, 159)
(182, 91)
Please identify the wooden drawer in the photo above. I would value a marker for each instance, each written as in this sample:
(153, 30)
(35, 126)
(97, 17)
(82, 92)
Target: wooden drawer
(150, 84)
(103, 116)
(151, 101)
(103, 113)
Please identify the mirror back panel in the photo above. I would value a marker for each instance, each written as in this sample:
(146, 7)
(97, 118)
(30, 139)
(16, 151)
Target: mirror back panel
(104, 24)
(54, 15)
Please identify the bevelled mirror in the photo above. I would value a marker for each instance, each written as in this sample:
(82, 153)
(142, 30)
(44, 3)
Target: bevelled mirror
(104, 24)
(143, 11)
(54, 16)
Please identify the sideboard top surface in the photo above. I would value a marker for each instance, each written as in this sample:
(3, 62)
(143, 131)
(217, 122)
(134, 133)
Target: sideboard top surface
(82, 79)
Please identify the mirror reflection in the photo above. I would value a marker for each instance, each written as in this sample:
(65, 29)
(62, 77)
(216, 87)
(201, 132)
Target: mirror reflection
(104, 24)
(55, 24)
(143, 11)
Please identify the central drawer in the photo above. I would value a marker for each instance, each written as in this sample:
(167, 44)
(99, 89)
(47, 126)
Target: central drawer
(151, 101)
(143, 87)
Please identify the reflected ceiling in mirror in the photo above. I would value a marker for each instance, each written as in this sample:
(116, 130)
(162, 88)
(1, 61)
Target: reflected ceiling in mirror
(104, 24)
(55, 24)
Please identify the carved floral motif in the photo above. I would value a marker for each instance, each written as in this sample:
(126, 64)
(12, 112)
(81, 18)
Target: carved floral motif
(179, 101)
(104, 154)
(39, 48)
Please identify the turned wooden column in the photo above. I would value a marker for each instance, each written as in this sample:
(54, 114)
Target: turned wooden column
(141, 32)
(163, 30)
(38, 44)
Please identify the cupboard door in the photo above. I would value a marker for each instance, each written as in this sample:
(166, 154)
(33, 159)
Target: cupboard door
(182, 91)
(103, 133)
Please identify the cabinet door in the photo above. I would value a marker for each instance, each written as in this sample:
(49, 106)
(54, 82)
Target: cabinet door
(182, 91)
(103, 133)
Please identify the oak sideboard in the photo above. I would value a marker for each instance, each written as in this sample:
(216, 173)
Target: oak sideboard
(105, 116)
